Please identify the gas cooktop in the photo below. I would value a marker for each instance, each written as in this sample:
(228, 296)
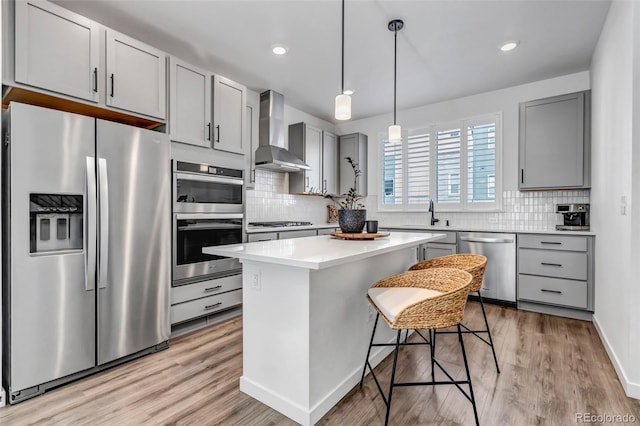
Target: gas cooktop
(279, 224)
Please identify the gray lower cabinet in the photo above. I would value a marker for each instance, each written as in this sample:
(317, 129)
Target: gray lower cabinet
(443, 247)
(203, 298)
(297, 234)
(327, 231)
(282, 235)
(554, 142)
(556, 270)
(262, 236)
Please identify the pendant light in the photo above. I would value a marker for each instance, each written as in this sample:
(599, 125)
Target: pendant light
(343, 101)
(395, 131)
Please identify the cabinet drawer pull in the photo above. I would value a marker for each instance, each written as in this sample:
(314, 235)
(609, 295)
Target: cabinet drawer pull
(95, 80)
(521, 175)
(213, 288)
(218, 128)
(550, 291)
(208, 131)
(550, 264)
(551, 242)
(112, 78)
(215, 305)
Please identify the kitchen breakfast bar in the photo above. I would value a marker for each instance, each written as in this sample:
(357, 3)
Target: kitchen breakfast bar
(306, 321)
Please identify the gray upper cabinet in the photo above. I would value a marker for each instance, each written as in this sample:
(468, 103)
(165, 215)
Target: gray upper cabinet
(189, 104)
(229, 107)
(554, 151)
(135, 76)
(330, 161)
(56, 50)
(353, 145)
(305, 142)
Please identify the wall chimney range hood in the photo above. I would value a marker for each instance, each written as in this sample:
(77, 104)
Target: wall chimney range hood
(271, 153)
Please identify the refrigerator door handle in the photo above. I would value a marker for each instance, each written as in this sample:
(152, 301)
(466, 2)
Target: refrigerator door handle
(90, 235)
(103, 259)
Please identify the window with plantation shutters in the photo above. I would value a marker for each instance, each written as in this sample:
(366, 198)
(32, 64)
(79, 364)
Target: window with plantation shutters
(418, 169)
(448, 166)
(456, 164)
(392, 176)
(481, 162)
(405, 172)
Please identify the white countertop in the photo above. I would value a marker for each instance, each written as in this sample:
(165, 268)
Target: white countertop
(322, 251)
(437, 228)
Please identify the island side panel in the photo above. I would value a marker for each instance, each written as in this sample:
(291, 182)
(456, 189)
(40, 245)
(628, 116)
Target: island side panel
(341, 322)
(276, 337)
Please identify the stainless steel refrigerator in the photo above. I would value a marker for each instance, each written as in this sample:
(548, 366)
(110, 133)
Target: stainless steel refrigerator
(88, 250)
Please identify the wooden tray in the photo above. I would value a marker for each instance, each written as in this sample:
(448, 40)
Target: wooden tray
(361, 236)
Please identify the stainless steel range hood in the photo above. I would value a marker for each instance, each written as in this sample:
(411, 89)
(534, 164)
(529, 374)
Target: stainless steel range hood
(271, 153)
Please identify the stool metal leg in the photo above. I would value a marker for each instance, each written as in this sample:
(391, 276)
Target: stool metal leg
(366, 360)
(484, 314)
(466, 367)
(432, 338)
(393, 376)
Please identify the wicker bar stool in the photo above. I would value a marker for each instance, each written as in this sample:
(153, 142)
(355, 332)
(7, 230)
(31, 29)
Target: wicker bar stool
(475, 264)
(428, 299)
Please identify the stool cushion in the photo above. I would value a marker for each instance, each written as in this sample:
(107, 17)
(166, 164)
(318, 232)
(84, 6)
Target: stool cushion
(393, 300)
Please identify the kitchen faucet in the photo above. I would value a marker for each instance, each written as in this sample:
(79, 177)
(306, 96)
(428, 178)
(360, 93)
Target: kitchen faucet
(432, 210)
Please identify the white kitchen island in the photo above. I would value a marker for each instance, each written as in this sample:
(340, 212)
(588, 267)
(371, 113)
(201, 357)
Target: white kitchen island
(306, 322)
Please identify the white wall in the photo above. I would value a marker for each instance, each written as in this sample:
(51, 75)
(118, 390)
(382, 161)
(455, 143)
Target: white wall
(505, 101)
(613, 156)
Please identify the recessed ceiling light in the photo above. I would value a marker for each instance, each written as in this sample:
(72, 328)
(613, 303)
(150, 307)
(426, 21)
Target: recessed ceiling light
(348, 92)
(509, 45)
(279, 49)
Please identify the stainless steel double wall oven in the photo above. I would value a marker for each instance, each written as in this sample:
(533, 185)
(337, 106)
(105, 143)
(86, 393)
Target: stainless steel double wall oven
(208, 210)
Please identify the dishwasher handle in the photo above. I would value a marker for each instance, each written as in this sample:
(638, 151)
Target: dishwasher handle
(486, 240)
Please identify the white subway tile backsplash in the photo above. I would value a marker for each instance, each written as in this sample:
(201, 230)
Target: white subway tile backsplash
(270, 200)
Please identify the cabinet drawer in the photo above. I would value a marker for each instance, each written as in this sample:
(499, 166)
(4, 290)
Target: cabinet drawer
(433, 250)
(205, 306)
(297, 234)
(326, 231)
(553, 263)
(262, 236)
(206, 288)
(552, 242)
(553, 290)
(451, 237)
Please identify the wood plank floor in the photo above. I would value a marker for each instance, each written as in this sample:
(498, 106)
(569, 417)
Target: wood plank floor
(552, 368)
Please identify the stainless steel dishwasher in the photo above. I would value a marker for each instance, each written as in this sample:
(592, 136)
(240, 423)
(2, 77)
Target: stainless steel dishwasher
(500, 274)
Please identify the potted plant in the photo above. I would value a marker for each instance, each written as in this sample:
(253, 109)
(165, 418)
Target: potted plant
(352, 214)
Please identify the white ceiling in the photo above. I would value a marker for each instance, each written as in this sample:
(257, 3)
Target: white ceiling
(448, 49)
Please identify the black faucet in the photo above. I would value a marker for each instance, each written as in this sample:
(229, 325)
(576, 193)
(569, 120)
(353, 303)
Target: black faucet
(432, 210)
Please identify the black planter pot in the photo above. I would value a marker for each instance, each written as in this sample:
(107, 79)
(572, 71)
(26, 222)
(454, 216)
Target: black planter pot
(351, 221)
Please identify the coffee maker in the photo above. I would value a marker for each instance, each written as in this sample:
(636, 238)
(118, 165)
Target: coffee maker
(576, 217)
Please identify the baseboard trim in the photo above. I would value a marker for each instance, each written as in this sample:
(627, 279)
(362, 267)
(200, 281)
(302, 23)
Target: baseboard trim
(308, 416)
(632, 390)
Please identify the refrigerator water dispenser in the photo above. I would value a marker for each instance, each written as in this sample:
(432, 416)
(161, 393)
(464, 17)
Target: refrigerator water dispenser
(55, 222)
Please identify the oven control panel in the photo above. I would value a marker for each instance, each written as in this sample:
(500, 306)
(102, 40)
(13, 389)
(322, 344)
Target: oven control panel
(206, 169)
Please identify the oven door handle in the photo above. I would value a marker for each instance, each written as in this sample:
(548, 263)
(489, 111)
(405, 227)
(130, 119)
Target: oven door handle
(204, 227)
(187, 216)
(215, 179)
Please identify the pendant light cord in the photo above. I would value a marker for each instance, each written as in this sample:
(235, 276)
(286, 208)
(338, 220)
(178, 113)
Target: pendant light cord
(395, 60)
(342, 90)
